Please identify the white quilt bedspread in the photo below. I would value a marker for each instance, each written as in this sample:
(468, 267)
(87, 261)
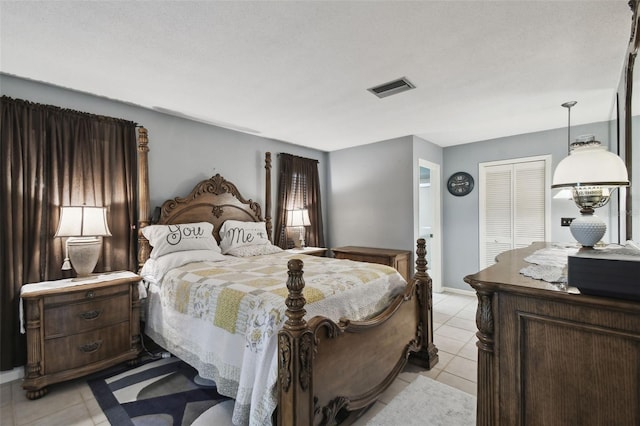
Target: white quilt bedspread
(223, 317)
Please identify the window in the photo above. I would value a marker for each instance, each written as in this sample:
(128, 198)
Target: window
(299, 188)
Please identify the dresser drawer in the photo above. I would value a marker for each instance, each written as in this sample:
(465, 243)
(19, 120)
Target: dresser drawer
(64, 320)
(366, 258)
(78, 350)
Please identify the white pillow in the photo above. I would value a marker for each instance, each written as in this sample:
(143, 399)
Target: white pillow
(234, 234)
(258, 250)
(154, 270)
(167, 239)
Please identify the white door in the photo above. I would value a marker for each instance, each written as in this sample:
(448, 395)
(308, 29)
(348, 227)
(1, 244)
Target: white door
(514, 205)
(429, 221)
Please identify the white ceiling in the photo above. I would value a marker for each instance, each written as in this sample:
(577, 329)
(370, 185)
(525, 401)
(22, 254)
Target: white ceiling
(298, 71)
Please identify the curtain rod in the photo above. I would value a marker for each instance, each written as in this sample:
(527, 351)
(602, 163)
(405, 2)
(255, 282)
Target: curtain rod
(63, 110)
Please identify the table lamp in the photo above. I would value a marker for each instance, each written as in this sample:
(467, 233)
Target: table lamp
(299, 218)
(85, 226)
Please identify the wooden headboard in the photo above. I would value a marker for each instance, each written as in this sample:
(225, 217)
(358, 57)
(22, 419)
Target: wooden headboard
(213, 200)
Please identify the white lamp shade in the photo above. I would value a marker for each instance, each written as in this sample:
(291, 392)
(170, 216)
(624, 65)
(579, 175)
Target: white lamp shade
(590, 165)
(83, 221)
(298, 218)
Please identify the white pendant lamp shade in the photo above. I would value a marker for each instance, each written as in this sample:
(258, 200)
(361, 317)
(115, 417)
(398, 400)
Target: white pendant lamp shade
(590, 164)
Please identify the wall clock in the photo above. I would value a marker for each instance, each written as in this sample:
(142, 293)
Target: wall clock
(460, 184)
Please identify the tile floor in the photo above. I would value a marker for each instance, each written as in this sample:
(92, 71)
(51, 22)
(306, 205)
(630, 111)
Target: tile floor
(454, 329)
(72, 403)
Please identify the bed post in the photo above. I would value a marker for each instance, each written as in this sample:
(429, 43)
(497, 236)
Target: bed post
(143, 195)
(296, 347)
(267, 202)
(427, 354)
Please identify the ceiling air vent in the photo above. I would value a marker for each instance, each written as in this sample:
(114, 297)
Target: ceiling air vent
(391, 88)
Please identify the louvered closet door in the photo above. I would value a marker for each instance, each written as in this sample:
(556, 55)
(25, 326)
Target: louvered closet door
(498, 213)
(530, 203)
(514, 207)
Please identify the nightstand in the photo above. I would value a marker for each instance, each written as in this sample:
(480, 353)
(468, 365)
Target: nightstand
(75, 328)
(312, 251)
(398, 259)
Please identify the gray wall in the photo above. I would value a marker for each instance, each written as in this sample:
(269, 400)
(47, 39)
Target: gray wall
(461, 219)
(374, 192)
(371, 195)
(182, 152)
(423, 150)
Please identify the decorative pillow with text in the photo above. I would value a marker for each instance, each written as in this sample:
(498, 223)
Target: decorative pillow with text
(180, 237)
(234, 234)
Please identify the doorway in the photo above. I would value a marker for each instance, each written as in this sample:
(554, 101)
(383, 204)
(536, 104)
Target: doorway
(429, 220)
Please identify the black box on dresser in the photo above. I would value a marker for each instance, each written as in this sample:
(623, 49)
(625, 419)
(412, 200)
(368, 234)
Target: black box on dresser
(610, 272)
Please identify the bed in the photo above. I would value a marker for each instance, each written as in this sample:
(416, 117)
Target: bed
(299, 359)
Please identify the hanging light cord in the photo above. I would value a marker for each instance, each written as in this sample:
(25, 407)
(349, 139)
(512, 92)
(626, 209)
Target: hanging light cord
(568, 106)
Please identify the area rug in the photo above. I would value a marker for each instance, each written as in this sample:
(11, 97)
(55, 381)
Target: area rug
(158, 393)
(427, 402)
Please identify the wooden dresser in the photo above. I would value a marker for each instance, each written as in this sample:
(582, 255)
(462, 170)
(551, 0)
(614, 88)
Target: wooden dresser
(547, 356)
(78, 327)
(398, 259)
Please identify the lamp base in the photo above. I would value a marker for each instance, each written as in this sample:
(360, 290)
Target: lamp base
(588, 229)
(84, 253)
(299, 243)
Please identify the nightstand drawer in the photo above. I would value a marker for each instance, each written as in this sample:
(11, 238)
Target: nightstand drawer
(64, 320)
(92, 293)
(86, 348)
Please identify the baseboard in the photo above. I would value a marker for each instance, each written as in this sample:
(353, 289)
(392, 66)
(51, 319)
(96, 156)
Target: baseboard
(458, 291)
(11, 375)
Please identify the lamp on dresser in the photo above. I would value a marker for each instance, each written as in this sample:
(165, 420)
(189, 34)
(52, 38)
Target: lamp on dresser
(592, 173)
(85, 226)
(298, 219)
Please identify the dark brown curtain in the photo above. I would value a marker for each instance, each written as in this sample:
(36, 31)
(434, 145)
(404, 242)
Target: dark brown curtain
(299, 188)
(52, 157)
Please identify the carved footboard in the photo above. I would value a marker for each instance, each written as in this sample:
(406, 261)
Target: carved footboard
(329, 372)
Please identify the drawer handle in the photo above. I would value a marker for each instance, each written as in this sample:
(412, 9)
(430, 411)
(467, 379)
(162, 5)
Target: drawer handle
(90, 294)
(90, 315)
(91, 347)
